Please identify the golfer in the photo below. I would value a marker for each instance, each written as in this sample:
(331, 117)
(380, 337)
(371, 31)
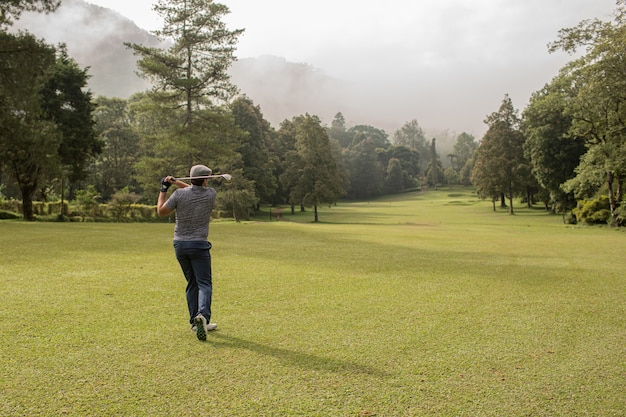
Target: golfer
(193, 205)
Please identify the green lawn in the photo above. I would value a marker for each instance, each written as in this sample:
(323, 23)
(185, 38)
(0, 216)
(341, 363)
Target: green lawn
(417, 305)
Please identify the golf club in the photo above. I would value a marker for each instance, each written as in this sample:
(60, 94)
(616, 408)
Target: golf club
(227, 177)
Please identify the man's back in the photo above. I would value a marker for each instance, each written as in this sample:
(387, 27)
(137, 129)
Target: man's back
(193, 206)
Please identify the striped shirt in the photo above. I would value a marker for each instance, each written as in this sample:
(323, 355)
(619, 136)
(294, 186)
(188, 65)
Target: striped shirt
(193, 207)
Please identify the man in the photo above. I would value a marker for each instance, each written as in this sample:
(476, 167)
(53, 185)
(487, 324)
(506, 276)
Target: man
(193, 205)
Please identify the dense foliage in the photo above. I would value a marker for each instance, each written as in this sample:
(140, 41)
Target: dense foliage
(55, 140)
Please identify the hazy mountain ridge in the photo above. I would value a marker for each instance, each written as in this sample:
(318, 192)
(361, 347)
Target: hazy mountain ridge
(285, 89)
(95, 38)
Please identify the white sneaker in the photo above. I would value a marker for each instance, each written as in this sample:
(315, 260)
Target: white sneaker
(209, 327)
(201, 327)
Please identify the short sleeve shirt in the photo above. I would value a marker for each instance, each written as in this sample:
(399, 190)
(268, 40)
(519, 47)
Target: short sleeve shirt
(193, 206)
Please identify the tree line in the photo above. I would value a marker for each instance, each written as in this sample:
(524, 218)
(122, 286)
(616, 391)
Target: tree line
(57, 141)
(568, 147)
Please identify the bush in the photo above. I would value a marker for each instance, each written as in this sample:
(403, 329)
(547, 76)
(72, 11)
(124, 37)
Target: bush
(143, 212)
(452, 177)
(121, 209)
(11, 205)
(239, 203)
(595, 211)
(9, 215)
(87, 201)
(121, 204)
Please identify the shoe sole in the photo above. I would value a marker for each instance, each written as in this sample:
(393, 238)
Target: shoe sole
(200, 333)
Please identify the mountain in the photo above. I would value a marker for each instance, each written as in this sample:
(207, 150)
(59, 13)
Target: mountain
(285, 89)
(95, 38)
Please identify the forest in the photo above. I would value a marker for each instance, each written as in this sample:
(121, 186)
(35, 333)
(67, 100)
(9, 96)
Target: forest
(72, 153)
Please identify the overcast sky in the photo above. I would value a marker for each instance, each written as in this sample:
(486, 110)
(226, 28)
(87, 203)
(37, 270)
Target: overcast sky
(445, 63)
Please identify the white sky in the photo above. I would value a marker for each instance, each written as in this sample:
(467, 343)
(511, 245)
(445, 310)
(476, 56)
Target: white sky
(467, 52)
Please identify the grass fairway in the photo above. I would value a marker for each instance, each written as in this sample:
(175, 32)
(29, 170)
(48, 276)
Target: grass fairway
(417, 305)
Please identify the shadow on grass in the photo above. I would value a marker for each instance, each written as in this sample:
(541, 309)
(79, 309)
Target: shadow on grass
(303, 360)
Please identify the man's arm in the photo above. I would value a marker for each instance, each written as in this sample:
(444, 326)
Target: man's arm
(162, 209)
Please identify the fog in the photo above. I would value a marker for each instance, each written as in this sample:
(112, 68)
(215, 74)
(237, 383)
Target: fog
(445, 63)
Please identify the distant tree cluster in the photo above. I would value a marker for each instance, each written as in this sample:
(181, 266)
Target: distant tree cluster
(566, 149)
(56, 141)
(569, 146)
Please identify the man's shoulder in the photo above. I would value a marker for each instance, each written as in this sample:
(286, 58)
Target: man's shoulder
(199, 191)
(206, 190)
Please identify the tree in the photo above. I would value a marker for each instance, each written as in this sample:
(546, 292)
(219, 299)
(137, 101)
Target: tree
(360, 133)
(553, 153)
(434, 171)
(394, 180)
(463, 150)
(237, 197)
(253, 148)
(409, 160)
(596, 84)
(193, 72)
(367, 173)
(484, 175)
(465, 175)
(28, 142)
(500, 155)
(339, 154)
(67, 102)
(289, 178)
(114, 169)
(12, 9)
(163, 149)
(412, 135)
(338, 131)
(365, 170)
(122, 202)
(318, 180)
(45, 118)
(451, 176)
(190, 79)
(282, 146)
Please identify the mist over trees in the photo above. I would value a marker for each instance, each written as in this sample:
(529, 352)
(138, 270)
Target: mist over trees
(566, 149)
(12, 9)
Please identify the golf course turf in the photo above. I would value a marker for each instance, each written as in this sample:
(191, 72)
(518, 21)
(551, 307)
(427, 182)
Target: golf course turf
(420, 304)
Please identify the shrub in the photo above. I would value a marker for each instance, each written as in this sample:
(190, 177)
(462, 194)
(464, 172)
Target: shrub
(121, 203)
(11, 205)
(87, 201)
(9, 215)
(594, 211)
(239, 204)
(452, 177)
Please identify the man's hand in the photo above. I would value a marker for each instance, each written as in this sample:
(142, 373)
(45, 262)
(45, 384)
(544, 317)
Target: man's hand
(165, 183)
(162, 209)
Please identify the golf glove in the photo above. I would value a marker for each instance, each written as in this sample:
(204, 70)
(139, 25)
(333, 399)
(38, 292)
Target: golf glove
(165, 185)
